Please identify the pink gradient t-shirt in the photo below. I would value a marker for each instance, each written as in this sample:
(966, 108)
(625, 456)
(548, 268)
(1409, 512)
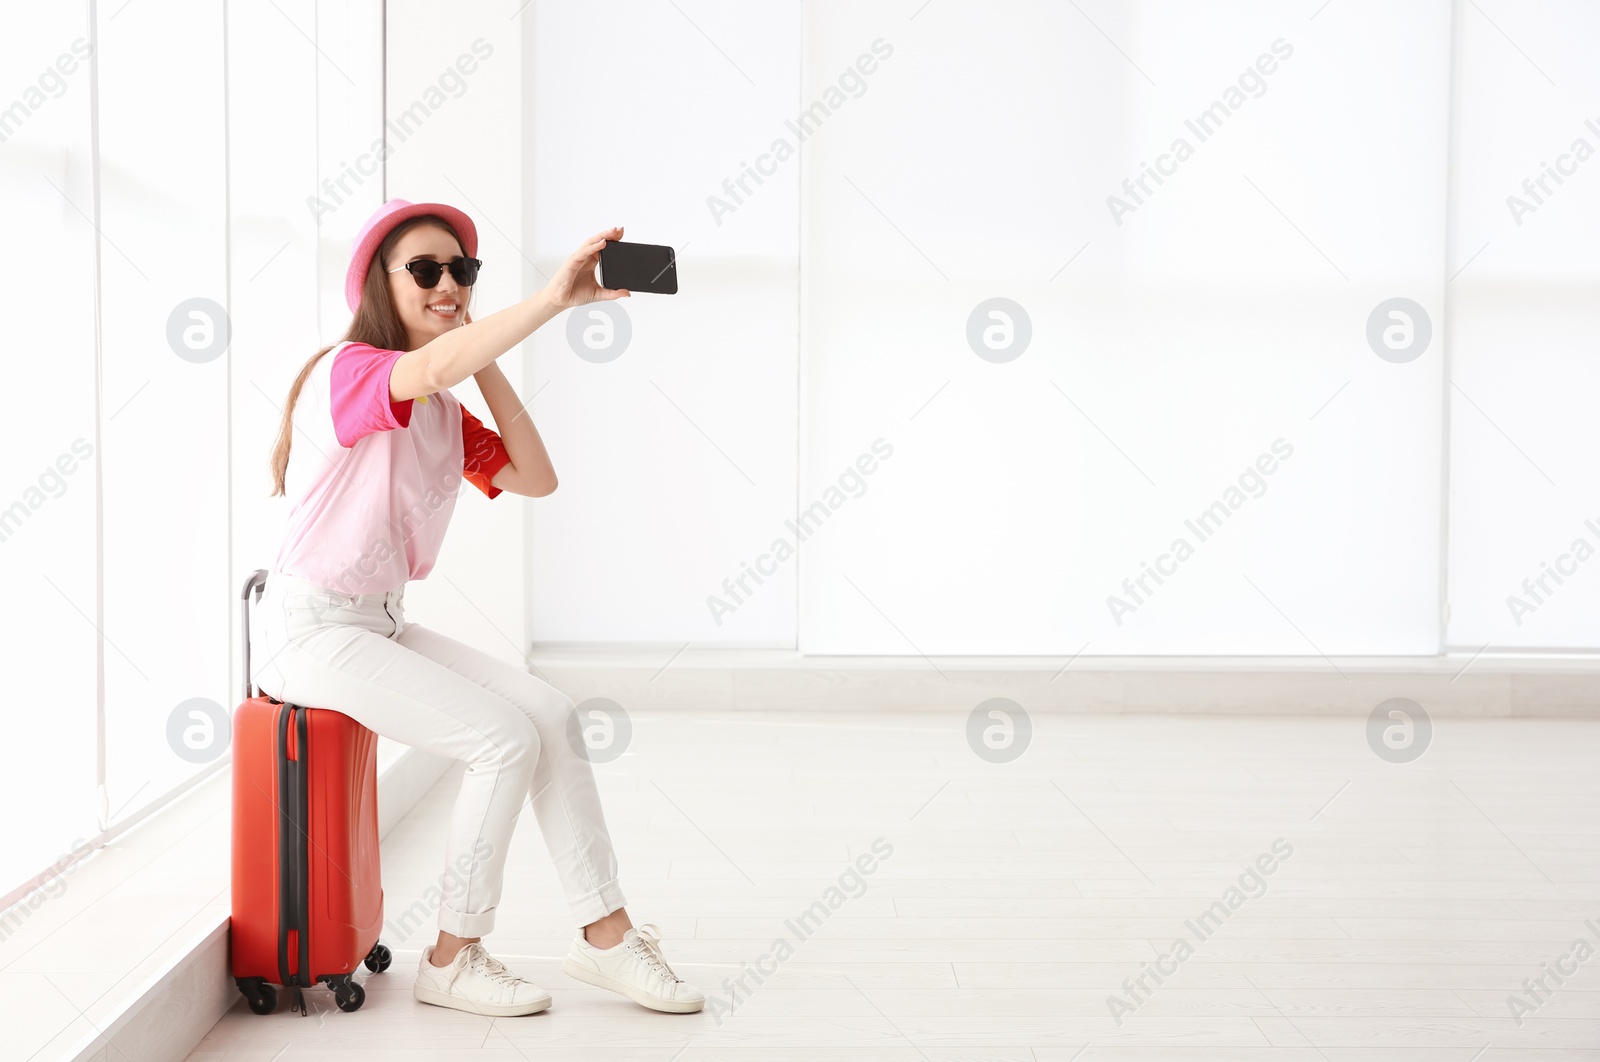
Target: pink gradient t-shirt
(372, 482)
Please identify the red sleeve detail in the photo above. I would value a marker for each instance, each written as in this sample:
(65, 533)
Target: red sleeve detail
(483, 453)
(359, 398)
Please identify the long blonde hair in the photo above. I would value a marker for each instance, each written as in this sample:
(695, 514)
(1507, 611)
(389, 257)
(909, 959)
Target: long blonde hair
(376, 321)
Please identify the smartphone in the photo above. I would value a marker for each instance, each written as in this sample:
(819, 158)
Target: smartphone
(639, 267)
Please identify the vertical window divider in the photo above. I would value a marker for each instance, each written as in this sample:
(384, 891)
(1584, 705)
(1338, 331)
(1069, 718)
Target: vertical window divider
(1447, 316)
(102, 806)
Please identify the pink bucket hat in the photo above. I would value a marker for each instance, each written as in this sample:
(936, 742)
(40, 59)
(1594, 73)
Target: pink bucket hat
(379, 225)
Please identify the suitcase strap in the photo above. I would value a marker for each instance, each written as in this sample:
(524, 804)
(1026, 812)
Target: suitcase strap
(293, 853)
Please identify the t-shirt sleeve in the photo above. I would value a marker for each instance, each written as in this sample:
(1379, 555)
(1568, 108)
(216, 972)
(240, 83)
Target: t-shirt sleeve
(483, 453)
(360, 393)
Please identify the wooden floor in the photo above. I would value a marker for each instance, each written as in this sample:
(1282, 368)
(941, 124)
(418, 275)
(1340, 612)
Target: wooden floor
(1018, 897)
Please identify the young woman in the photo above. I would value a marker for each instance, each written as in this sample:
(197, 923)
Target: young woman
(381, 447)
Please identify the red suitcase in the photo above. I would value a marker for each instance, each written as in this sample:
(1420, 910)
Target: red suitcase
(307, 894)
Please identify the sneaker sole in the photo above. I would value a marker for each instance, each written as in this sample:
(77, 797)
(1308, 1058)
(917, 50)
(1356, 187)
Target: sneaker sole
(670, 1006)
(493, 1010)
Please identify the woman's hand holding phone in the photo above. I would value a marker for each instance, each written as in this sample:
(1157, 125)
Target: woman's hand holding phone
(574, 283)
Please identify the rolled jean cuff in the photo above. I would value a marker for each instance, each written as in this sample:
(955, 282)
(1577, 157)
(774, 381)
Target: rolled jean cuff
(597, 903)
(461, 924)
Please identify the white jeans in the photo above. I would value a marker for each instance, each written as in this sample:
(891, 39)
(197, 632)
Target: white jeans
(357, 654)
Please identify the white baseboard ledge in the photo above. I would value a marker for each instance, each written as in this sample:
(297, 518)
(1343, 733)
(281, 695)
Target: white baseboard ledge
(671, 678)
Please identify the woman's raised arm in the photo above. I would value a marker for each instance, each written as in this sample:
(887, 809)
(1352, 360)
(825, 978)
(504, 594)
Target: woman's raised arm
(446, 360)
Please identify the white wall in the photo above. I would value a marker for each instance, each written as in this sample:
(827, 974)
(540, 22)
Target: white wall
(1523, 321)
(1171, 353)
(975, 161)
(677, 459)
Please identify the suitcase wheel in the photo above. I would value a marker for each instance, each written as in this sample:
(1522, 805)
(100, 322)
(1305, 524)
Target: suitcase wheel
(379, 958)
(349, 995)
(262, 997)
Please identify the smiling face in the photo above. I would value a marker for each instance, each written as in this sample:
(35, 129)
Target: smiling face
(426, 313)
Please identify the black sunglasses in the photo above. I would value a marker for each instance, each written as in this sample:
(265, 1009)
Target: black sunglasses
(426, 272)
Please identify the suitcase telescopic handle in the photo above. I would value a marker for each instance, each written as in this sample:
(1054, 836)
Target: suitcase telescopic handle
(257, 582)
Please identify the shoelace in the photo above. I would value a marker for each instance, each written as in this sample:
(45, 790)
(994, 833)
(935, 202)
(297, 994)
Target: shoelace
(491, 967)
(647, 945)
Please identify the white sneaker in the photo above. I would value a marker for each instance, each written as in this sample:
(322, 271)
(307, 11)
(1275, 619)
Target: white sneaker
(477, 983)
(634, 968)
